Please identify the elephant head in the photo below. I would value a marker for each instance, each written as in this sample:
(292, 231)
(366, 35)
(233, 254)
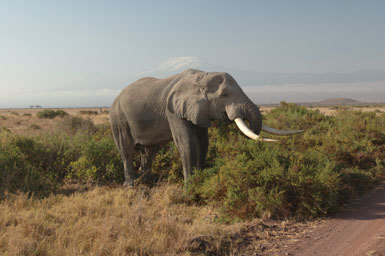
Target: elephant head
(204, 96)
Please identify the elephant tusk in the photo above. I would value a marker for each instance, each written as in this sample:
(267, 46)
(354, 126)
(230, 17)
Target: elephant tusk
(249, 133)
(270, 130)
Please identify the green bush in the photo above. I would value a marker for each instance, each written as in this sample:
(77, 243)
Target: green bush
(35, 126)
(336, 159)
(50, 113)
(40, 164)
(167, 164)
(18, 170)
(98, 161)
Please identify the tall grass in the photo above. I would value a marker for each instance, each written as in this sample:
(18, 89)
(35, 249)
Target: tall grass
(104, 221)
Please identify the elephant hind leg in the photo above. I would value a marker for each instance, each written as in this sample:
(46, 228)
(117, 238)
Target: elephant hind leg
(126, 147)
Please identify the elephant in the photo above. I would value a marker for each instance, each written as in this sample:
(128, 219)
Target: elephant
(152, 111)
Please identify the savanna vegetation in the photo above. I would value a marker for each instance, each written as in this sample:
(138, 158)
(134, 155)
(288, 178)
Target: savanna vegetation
(50, 113)
(337, 158)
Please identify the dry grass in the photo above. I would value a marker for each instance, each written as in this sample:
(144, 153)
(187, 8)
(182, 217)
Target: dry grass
(104, 221)
(140, 221)
(21, 123)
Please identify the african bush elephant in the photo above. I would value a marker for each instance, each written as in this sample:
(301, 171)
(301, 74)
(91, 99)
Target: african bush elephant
(153, 111)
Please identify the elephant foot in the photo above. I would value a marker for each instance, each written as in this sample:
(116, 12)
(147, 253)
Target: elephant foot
(128, 183)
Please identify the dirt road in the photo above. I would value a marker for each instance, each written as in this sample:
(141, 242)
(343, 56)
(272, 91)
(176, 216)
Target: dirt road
(358, 231)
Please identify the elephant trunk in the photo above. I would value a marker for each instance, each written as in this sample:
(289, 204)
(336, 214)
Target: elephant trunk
(252, 114)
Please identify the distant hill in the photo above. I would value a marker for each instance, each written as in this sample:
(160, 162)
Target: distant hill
(339, 101)
(332, 102)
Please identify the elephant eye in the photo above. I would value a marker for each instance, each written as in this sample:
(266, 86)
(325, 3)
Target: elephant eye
(224, 94)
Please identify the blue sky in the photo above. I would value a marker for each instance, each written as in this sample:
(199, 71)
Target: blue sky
(53, 47)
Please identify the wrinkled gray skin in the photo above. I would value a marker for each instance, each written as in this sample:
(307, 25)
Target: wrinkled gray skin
(153, 111)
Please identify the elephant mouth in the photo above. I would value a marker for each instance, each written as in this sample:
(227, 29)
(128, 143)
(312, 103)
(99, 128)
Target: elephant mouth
(222, 117)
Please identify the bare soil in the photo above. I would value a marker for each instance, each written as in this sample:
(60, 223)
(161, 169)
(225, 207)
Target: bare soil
(357, 231)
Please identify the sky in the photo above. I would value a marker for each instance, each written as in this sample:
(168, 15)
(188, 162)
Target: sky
(83, 53)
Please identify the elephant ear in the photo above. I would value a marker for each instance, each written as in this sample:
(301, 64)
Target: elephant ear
(187, 100)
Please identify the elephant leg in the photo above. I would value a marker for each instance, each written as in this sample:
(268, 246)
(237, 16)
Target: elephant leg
(185, 135)
(203, 138)
(125, 145)
(147, 155)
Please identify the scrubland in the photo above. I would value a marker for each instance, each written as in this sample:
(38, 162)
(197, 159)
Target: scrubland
(61, 194)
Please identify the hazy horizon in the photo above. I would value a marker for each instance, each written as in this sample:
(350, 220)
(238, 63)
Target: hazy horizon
(83, 53)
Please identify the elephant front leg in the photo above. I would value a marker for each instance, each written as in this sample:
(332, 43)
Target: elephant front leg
(203, 138)
(185, 136)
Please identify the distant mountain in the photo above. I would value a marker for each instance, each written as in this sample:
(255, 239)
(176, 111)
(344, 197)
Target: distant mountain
(339, 101)
(255, 78)
(334, 102)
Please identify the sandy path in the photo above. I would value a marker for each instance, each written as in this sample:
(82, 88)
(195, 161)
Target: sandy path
(354, 232)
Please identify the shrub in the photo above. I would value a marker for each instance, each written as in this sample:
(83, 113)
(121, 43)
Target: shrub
(73, 124)
(88, 112)
(39, 164)
(98, 161)
(17, 170)
(338, 158)
(50, 113)
(35, 126)
(167, 164)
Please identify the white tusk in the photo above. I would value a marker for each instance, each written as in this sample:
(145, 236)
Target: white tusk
(249, 133)
(270, 130)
